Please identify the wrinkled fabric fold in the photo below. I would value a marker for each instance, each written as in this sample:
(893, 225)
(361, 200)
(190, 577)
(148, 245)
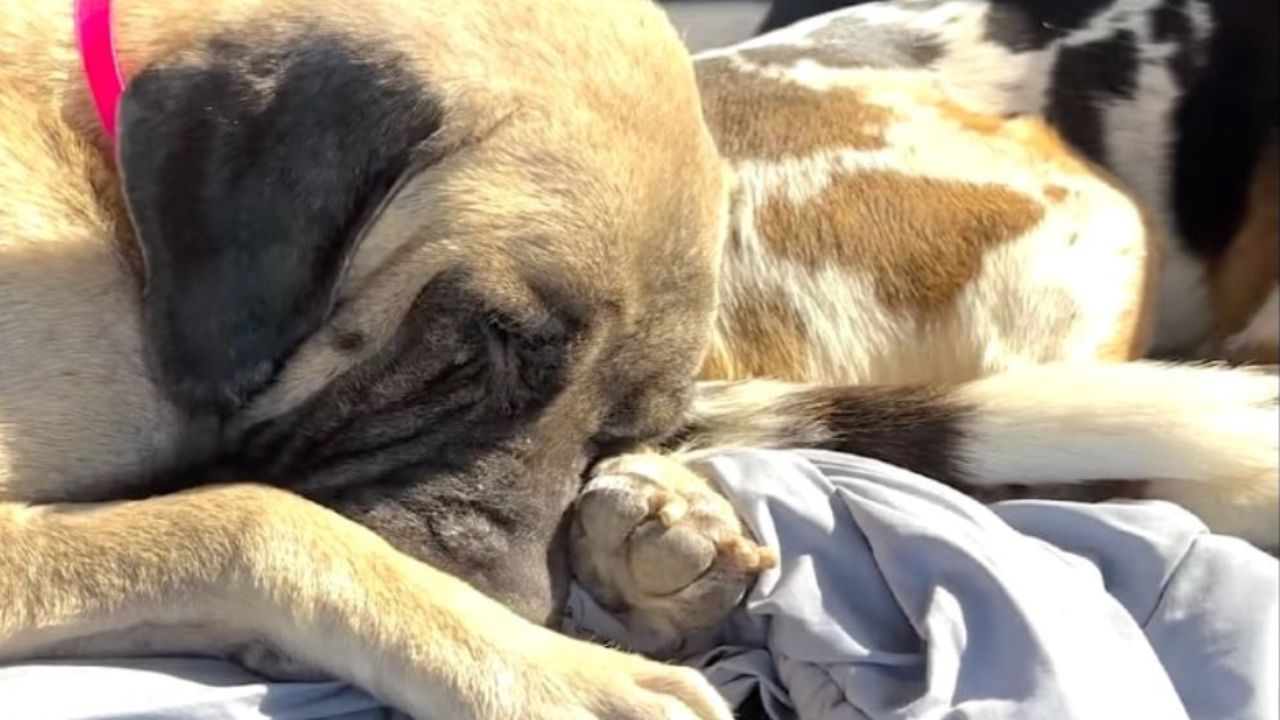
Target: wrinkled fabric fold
(899, 598)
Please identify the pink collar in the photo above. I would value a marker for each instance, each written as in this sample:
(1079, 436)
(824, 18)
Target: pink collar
(98, 55)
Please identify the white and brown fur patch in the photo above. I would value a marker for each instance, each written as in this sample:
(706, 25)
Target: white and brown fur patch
(882, 233)
(1175, 97)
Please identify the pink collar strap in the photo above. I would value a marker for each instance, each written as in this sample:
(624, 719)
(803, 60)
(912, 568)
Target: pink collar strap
(98, 55)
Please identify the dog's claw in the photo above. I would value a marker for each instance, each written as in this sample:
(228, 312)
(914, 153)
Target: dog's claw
(746, 555)
(670, 507)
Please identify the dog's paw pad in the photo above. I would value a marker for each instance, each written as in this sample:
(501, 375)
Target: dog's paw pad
(687, 549)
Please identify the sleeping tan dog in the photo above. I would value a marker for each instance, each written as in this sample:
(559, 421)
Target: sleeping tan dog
(391, 254)
(420, 263)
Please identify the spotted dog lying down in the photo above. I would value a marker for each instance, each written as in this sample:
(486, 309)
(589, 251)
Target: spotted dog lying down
(899, 218)
(1177, 98)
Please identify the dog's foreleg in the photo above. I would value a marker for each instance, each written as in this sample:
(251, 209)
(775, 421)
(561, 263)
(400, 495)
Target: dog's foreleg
(321, 588)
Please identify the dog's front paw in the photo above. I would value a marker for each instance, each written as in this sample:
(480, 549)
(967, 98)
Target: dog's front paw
(590, 682)
(652, 539)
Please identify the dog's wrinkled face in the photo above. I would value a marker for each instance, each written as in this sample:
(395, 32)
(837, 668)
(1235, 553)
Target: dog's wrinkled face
(421, 259)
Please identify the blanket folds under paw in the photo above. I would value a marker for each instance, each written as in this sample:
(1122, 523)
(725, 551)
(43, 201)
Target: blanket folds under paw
(899, 598)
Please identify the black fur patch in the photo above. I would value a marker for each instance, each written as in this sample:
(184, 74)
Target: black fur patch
(918, 428)
(914, 428)
(1084, 78)
(1170, 23)
(249, 175)
(1022, 25)
(498, 523)
(1225, 117)
(457, 380)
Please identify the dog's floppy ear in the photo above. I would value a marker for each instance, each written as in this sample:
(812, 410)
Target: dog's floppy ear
(249, 174)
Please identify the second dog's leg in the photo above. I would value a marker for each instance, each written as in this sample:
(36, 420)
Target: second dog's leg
(654, 540)
(321, 588)
(1203, 437)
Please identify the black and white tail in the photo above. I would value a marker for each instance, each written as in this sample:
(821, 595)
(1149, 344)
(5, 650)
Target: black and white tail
(1207, 438)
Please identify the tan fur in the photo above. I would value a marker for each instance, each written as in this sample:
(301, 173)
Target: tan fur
(486, 193)
(1055, 193)
(557, 151)
(761, 335)
(800, 122)
(263, 564)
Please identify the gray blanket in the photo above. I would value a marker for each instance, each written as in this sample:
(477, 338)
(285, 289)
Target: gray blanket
(896, 598)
